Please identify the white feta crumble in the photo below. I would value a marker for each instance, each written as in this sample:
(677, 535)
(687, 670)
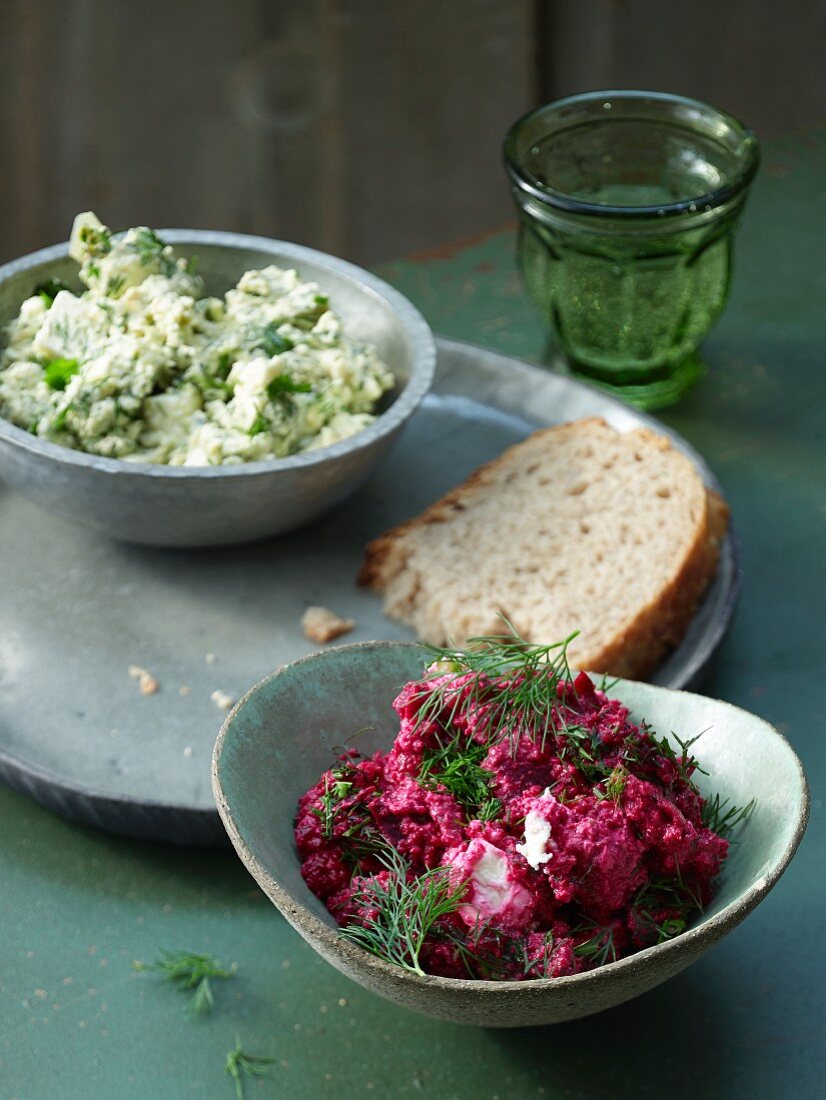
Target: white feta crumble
(537, 837)
(490, 880)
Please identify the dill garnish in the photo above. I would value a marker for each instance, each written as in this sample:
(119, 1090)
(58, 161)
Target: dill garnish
(189, 971)
(721, 816)
(614, 785)
(492, 955)
(340, 788)
(455, 764)
(599, 948)
(510, 684)
(672, 895)
(398, 914)
(489, 809)
(240, 1065)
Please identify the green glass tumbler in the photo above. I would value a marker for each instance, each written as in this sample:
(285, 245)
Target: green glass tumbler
(628, 202)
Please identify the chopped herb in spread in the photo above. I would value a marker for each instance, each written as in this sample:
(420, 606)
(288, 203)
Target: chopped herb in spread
(142, 365)
(521, 826)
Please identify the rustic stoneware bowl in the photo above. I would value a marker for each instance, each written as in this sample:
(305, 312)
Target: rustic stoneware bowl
(285, 732)
(208, 506)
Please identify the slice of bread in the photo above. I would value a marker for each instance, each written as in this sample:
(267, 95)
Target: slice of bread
(579, 527)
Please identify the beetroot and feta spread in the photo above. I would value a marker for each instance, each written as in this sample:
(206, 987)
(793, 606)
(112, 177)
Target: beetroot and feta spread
(536, 841)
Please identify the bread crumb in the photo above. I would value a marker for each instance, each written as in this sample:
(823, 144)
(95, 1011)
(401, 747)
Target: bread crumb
(188, 750)
(147, 683)
(183, 690)
(221, 700)
(320, 624)
(210, 658)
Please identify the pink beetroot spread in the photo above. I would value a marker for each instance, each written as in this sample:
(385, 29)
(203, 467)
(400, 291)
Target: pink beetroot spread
(563, 851)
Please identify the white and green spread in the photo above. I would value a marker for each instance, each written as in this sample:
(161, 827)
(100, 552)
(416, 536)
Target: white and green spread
(143, 366)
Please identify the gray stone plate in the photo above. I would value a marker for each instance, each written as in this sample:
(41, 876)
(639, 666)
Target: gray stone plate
(78, 610)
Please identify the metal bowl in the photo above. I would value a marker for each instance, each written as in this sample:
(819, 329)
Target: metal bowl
(284, 733)
(214, 505)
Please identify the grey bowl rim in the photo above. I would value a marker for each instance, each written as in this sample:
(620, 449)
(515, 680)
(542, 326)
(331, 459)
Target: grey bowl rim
(714, 928)
(422, 371)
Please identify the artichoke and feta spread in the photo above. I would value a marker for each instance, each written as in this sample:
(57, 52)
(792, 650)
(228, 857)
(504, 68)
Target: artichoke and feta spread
(143, 366)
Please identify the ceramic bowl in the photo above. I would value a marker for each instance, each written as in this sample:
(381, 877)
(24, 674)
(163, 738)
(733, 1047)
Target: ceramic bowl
(283, 734)
(207, 506)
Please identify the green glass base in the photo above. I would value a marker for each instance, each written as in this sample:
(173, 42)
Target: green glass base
(652, 390)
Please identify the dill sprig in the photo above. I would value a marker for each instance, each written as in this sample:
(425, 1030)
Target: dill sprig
(341, 787)
(599, 948)
(241, 1065)
(509, 683)
(399, 914)
(505, 953)
(672, 894)
(721, 815)
(481, 960)
(642, 751)
(614, 785)
(455, 764)
(189, 971)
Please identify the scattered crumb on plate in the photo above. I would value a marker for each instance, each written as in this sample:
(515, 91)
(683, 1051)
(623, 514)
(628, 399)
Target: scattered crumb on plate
(210, 658)
(183, 690)
(320, 624)
(221, 700)
(188, 750)
(147, 683)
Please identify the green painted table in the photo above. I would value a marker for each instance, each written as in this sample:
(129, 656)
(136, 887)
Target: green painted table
(749, 1020)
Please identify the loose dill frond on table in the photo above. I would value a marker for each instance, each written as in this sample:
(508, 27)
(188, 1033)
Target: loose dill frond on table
(399, 914)
(240, 1065)
(188, 971)
(510, 683)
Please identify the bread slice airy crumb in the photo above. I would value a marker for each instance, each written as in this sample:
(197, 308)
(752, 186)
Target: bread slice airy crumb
(579, 527)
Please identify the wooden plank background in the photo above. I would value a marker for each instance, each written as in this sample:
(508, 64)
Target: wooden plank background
(368, 128)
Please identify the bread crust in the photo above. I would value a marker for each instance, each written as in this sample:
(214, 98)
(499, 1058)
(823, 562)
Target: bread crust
(656, 628)
(660, 626)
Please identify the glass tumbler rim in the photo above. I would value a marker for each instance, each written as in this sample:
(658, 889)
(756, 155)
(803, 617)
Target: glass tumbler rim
(734, 184)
